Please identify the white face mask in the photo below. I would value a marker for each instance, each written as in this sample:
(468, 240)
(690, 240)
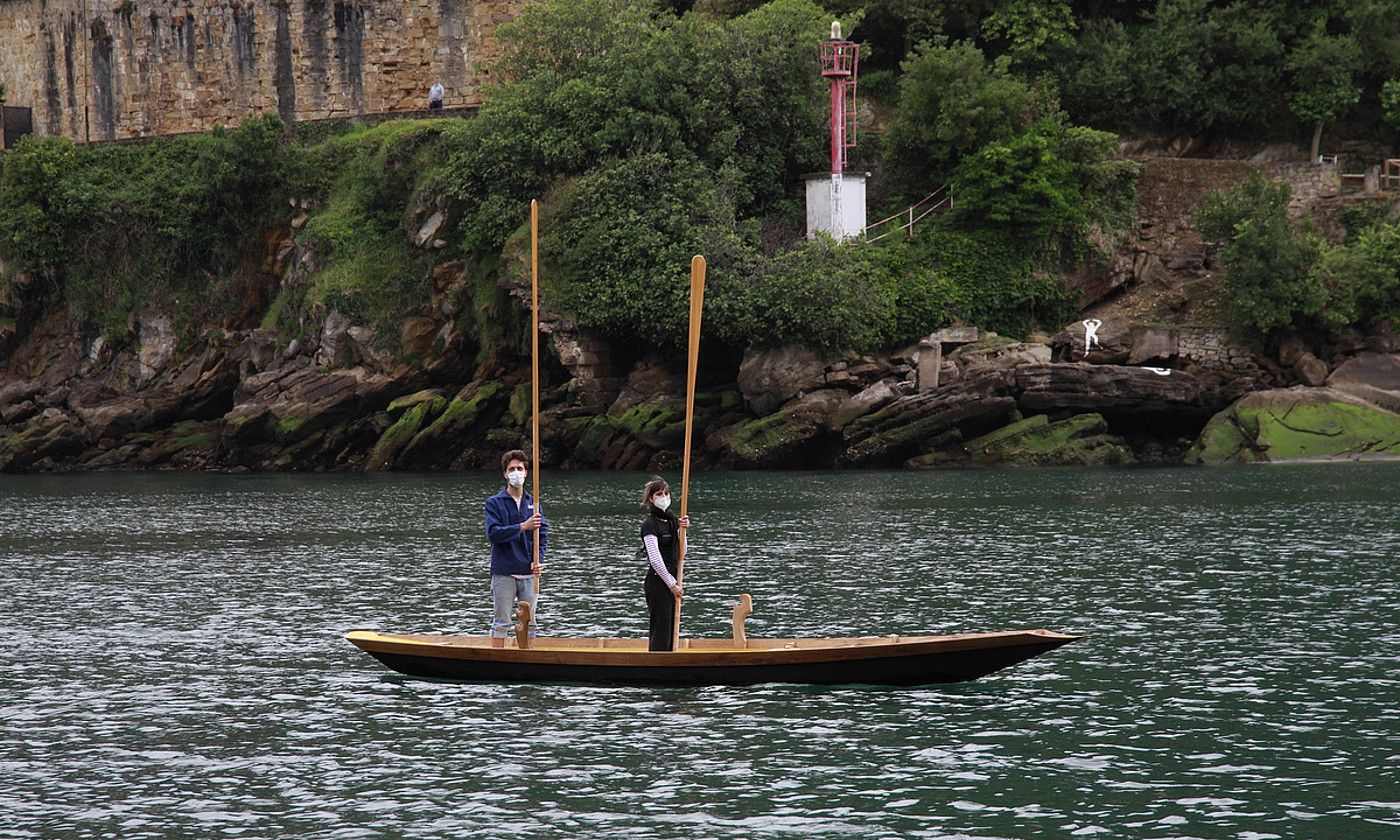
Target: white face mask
(516, 477)
(661, 502)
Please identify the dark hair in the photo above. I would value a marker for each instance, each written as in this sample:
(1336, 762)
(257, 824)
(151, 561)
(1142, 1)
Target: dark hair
(514, 455)
(656, 485)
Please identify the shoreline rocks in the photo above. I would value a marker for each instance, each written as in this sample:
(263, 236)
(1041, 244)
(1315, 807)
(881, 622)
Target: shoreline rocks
(241, 401)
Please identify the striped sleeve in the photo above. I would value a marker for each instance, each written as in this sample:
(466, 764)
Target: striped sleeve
(657, 564)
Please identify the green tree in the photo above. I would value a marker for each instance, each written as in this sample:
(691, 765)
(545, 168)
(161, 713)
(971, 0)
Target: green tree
(1050, 185)
(1323, 70)
(1098, 81)
(1390, 103)
(617, 245)
(1269, 259)
(1034, 31)
(1171, 70)
(592, 81)
(952, 102)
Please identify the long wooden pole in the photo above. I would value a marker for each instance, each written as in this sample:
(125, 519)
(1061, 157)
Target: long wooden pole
(535, 369)
(697, 306)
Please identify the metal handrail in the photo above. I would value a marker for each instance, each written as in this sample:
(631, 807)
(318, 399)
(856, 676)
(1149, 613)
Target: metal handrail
(906, 210)
(909, 226)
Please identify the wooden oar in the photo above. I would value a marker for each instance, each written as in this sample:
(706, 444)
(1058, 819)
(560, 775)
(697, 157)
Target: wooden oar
(697, 305)
(535, 370)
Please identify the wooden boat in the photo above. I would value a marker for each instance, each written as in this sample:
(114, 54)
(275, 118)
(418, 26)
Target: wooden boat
(876, 660)
(889, 660)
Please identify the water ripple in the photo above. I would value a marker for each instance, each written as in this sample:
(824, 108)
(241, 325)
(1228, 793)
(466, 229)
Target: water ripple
(174, 664)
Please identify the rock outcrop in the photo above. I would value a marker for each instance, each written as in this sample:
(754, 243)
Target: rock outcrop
(1298, 423)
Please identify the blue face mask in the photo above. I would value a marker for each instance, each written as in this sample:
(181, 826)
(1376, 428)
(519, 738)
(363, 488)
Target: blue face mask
(516, 478)
(661, 502)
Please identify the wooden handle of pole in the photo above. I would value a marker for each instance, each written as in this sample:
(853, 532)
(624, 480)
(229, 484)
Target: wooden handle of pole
(535, 369)
(697, 306)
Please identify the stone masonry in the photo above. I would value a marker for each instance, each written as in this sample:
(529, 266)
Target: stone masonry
(117, 69)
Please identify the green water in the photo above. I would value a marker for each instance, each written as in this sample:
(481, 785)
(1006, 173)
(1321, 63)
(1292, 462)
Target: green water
(173, 665)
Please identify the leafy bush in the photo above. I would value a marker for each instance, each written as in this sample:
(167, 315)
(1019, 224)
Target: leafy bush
(951, 103)
(849, 296)
(367, 182)
(1360, 280)
(1057, 187)
(1268, 257)
(1390, 103)
(616, 245)
(1022, 183)
(598, 80)
(995, 281)
(112, 226)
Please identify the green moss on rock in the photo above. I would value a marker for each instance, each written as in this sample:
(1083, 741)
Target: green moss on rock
(778, 440)
(1081, 440)
(1297, 424)
(397, 436)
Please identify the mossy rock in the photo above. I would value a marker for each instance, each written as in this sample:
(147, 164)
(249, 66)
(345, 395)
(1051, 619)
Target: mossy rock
(397, 436)
(461, 412)
(19, 451)
(521, 405)
(728, 399)
(1081, 440)
(785, 439)
(894, 433)
(656, 426)
(1297, 424)
(594, 440)
(187, 435)
(417, 398)
(653, 427)
(113, 459)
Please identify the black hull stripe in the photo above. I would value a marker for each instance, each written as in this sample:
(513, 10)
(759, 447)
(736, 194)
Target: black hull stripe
(917, 669)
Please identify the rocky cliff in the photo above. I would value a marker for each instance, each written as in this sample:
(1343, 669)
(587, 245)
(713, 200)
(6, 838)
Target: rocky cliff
(341, 395)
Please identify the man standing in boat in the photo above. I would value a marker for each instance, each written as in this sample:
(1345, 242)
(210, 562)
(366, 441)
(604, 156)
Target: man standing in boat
(512, 523)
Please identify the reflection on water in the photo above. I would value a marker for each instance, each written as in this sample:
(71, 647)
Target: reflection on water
(174, 664)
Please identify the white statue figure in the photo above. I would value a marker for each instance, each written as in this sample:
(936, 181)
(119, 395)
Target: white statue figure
(1091, 334)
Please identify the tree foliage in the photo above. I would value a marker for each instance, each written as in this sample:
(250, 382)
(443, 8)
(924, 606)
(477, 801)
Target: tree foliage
(1033, 32)
(116, 224)
(1268, 257)
(952, 102)
(1323, 69)
(597, 80)
(1390, 103)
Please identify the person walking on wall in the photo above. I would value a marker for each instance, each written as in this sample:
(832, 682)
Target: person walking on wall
(661, 537)
(512, 523)
(435, 97)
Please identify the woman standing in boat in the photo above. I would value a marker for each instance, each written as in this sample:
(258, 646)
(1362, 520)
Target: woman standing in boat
(661, 532)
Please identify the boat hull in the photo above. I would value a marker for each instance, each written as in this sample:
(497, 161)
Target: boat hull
(895, 662)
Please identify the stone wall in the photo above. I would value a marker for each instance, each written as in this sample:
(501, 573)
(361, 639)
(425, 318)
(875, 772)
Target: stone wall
(1211, 348)
(115, 69)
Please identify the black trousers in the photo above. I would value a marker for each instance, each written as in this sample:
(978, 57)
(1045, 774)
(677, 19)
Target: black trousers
(662, 605)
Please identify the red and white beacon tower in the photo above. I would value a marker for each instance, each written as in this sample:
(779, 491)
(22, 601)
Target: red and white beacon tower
(836, 203)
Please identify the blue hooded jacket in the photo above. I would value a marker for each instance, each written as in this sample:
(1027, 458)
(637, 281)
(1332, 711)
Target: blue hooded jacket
(511, 548)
